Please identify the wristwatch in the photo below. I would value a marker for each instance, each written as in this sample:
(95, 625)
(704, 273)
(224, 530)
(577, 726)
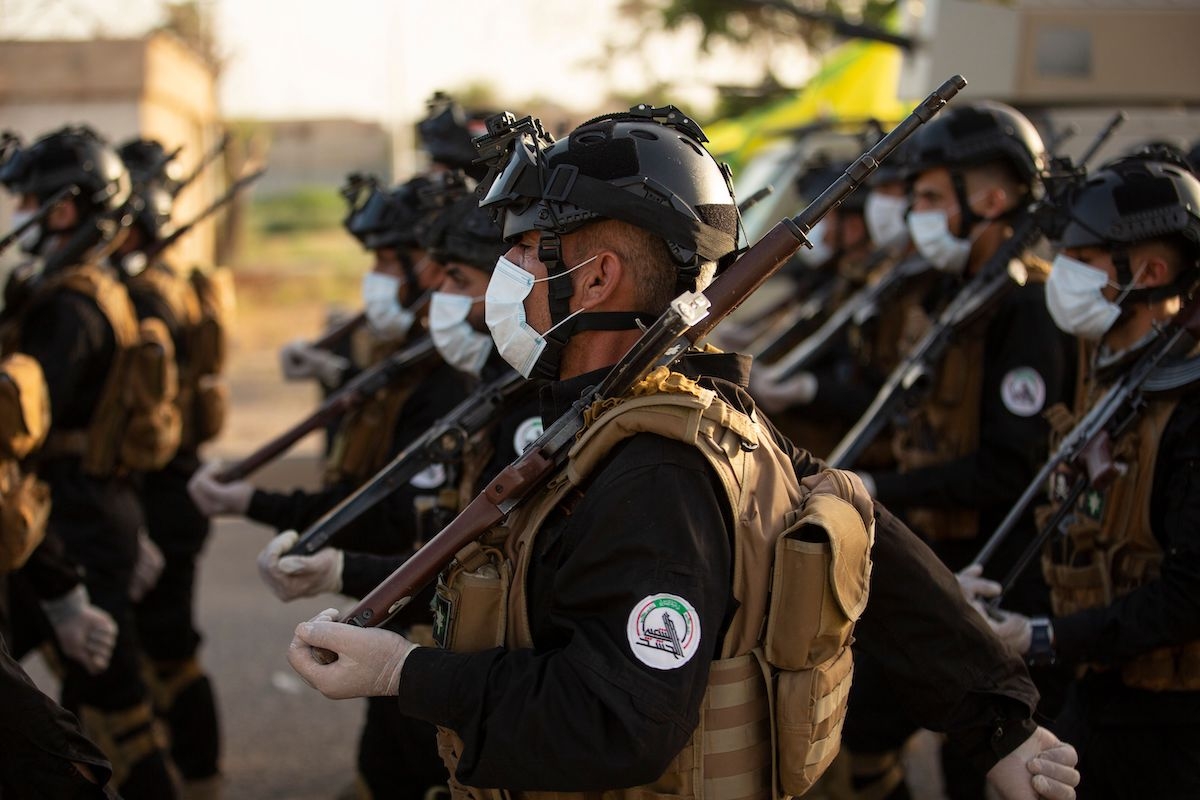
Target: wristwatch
(1041, 643)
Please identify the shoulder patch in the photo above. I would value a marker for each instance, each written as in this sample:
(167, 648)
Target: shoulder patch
(431, 477)
(663, 631)
(1023, 391)
(527, 433)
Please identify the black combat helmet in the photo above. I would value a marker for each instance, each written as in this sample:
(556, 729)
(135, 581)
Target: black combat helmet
(154, 183)
(647, 167)
(380, 217)
(466, 233)
(980, 133)
(446, 134)
(1133, 200)
(72, 156)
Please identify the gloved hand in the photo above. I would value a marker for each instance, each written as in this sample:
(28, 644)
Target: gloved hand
(774, 396)
(148, 568)
(369, 663)
(977, 589)
(85, 632)
(1042, 766)
(300, 361)
(290, 577)
(213, 497)
(1013, 629)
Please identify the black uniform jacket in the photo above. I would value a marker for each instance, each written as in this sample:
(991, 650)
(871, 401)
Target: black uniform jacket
(580, 711)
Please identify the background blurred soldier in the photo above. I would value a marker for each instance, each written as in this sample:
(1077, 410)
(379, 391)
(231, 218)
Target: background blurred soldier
(112, 415)
(183, 692)
(1125, 576)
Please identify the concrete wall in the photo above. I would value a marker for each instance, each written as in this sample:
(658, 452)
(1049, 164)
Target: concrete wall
(321, 152)
(154, 87)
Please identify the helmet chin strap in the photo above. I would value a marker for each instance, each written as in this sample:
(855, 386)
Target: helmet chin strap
(563, 323)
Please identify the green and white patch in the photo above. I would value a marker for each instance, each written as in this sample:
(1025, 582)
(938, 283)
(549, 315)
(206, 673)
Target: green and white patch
(663, 631)
(527, 433)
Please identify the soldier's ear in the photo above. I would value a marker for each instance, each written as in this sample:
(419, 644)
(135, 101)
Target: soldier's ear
(599, 282)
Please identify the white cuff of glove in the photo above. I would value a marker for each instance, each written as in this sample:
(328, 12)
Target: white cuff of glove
(70, 605)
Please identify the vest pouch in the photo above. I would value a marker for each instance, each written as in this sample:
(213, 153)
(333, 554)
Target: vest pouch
(818, 583)
(810, 707)
(210, 407)
(1074, 589)
(207, 346)
(470, 601)
(24, 511)
(153, 425)
(24, 406)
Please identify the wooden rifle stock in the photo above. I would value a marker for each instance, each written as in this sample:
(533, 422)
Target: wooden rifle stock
(691, 317)
(348, 398)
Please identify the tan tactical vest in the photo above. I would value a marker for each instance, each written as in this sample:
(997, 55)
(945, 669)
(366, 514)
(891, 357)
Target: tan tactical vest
(203, 397)
(771, 719)
(24, 423)
(135, 425)
(1110, 550)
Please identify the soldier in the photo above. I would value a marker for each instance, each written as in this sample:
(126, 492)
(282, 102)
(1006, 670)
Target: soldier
(466, 245)
(619, 629)
(111, 415)
(393, 226)
(1125, 575)
(183, 691)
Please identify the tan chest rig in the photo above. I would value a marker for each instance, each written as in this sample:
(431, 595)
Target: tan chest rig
(136, 425)
(771, 718)
(24, 423)
(200, 312)
(1109, 550)
(364, 438)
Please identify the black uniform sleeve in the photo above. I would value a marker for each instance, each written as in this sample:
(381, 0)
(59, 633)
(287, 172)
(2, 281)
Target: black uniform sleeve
(1012, 446)
(49, 571)
(1164, 611)
(35, 753)
(582, 711)
(71, 340)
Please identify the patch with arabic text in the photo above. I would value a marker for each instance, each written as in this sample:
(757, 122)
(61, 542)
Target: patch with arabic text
(663, 631)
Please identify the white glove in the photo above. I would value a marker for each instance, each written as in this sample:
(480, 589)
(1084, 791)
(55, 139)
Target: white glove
(290, 577)
(148, 568)
(1042, 766)
(1013, 629)
(977, 589)
(774, 396)
(300, 361)
(369, 662)
(85, 632)
(213, 497)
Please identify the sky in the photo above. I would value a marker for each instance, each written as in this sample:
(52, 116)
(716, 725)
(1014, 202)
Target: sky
(381, 59)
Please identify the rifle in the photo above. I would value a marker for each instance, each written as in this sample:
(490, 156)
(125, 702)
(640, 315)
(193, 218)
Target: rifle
(39, 216)
(1085, 452)
(442, 443)
(156, 249)
(690, 317)
(209, 157)
(335, 333)
(910, 379)
(345, 399)
(857, 309)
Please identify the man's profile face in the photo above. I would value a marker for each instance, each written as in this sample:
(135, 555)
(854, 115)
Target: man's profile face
(467, 281)
(933, 190)
(537, 305)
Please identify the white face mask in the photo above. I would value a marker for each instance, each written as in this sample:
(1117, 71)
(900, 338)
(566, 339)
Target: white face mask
(930, 232)
(517, 342)
(819, 254)
(29, 239)
(463, 347)
(1075, 299)
(381, 296)
(884, 215)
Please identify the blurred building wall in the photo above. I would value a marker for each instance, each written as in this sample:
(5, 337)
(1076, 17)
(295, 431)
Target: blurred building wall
(321, 152)
(155, 87)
